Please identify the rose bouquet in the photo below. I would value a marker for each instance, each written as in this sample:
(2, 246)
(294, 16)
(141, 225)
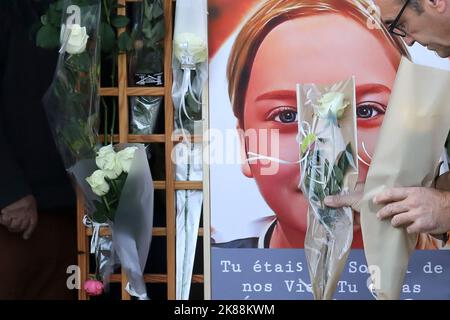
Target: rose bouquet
(117, 186)
(120, 192)
(190, 61)
(190, 72)
(327, 127)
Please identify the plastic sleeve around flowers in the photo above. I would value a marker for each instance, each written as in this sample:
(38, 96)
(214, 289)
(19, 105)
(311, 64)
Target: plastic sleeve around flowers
(132, 226)
(328, 144)
(72, 100)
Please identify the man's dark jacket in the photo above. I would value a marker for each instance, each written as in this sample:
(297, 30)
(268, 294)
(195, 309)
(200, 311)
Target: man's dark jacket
(29, 161)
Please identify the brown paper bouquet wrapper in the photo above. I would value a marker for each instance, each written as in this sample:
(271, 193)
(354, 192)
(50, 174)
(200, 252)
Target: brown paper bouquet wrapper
(412, 136)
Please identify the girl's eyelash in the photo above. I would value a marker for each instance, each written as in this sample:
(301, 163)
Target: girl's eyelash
(380, 106)
(273, 113)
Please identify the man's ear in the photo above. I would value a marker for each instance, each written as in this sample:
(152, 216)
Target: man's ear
(439, 5)
(245, 166)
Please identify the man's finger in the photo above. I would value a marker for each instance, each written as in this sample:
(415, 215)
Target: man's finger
(402, 220)
(14, 225)
(5, 220)
(29, 231)
(339, 201)
(415, 227)
(392, 195)
(392, 209)
(24, 225)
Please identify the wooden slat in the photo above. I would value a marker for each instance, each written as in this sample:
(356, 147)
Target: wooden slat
(168, 122)
(188, 185)
(157, 278)
(123, 84)
(123, 112)
(194, 138)
(82, 245)
(145, 91)
(135, 138)
(109, 92)
(157, 232)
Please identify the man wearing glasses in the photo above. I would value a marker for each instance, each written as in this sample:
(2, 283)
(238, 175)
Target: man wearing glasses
(419, 210)
(424, 21)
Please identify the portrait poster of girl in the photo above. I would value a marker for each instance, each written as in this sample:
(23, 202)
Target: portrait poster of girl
(259, 50)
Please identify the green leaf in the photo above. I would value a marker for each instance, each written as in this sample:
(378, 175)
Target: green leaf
(99, 213)
(47, 37)
(111, 214)
(158, 30)
(120, 21)
(338, 175)
(124, 42)
(148, 8)
(308, 141)
(157, 10)
(59, 5)
(107, 36)
(54, 15)
(44, 19)
(99, 217)
(79, 62)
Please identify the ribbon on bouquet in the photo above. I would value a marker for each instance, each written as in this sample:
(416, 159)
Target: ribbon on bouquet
(89, 223)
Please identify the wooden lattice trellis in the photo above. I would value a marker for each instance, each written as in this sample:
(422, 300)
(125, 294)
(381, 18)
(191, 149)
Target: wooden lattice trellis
(122, 92)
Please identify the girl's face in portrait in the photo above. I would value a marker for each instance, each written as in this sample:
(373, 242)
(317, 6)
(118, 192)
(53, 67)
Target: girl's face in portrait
(321, 48)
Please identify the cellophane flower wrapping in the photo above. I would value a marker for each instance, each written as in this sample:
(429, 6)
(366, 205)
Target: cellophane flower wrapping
(190, 61)
(72, 101)
(328, 147)
(189, 204)
(72, 107)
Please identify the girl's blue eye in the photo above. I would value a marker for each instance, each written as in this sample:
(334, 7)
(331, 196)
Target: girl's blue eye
(369, 110)
(286, 116)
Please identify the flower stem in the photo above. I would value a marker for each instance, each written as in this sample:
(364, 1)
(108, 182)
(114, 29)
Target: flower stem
(107, 11)
(106, 204)
(115, 189)
(105, 129)
(113, 120)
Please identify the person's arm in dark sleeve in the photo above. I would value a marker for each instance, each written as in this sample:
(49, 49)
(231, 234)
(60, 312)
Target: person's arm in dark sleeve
(13, 185)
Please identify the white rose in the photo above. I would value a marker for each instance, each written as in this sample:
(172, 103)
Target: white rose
(125, 157)
(332, 102)
(191, 47)
(98, 183)
(107, 161)
(76, 38)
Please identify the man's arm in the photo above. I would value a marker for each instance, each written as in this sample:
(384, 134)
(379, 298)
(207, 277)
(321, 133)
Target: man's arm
(17, 205)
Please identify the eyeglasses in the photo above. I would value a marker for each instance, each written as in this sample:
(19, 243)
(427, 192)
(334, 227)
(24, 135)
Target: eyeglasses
(394, 28)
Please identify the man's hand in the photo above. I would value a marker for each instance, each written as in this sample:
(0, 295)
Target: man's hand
(21, 216)
(418, 209)
(352, 200)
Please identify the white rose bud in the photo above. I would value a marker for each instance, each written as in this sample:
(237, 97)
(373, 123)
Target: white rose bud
(98, 183)
(125, 157)
(190, 46)
(76, 38)
(332, 102)
(107, 161)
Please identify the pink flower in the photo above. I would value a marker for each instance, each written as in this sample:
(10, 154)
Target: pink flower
(93, 287)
